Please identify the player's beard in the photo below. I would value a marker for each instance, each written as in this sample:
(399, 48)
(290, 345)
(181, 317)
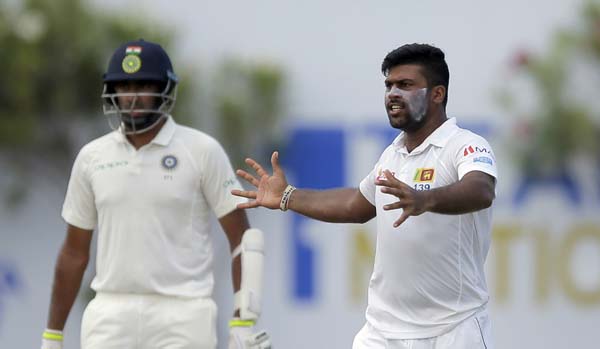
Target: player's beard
(415, 109)
(139, 123)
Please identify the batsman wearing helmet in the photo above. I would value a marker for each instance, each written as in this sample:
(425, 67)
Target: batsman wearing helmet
(148, 189)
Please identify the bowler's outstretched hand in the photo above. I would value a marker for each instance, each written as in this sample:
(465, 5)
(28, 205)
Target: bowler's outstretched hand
(269, 188)
(411, 201)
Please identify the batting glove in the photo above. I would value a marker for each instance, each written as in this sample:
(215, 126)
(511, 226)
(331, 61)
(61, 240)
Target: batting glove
(242, 336)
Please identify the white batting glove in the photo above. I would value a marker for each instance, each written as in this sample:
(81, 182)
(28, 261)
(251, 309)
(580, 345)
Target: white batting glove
(242, 336)
(52, 339)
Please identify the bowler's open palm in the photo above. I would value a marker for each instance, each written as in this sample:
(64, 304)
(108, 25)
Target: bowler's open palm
(269, 188)
(411, 201)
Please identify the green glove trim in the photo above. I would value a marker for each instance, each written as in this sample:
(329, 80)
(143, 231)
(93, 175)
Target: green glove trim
(241, 323)
(53, 336)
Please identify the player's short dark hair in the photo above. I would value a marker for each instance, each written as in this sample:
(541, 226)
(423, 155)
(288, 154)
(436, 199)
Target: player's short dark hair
(431, 58)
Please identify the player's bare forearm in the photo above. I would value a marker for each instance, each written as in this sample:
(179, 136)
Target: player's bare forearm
(346, 205)
(70, 266)
(474, 192)
(68, 274)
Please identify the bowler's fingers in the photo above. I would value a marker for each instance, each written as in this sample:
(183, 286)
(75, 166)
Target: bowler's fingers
(249, 204)
(275, 163)
(395, 182)
(248, 177)
(393, 191)
(394, 206)
(403, 217)
(389, 175)
(256, 166)
(249, 194)
(390, 181)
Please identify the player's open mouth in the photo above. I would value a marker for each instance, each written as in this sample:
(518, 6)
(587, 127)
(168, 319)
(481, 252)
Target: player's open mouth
(395, 108)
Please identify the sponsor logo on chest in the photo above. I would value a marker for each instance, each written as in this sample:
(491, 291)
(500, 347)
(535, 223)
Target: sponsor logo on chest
(111, 165)
(424, 175)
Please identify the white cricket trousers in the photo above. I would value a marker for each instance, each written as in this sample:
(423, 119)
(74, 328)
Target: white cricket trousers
(473, 333)
(129, 321)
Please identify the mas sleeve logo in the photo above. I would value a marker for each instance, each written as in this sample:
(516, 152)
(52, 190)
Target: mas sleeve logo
(476, 149)
(481, 154)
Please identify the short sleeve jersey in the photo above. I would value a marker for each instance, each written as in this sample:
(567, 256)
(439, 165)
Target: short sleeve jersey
(152, 209)
(429, 272)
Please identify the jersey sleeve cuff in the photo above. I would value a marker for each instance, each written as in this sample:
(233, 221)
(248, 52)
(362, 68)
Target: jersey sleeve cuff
(463, 171)
(364, 189)
(228, 207)
(78, 222)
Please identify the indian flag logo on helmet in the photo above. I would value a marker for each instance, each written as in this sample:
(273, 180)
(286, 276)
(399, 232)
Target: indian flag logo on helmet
(132, 62)
(133, 50)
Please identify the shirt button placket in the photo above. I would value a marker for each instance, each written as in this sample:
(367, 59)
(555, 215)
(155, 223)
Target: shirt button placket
(135, 161)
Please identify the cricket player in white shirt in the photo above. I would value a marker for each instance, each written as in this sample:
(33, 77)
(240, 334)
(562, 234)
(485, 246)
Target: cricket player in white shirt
(431, 192)
(149, 189)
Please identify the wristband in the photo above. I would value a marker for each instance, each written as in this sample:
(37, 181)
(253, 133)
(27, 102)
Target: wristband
(53, 335)
(285, 197)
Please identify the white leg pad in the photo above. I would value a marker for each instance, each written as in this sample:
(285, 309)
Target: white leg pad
(249, 298)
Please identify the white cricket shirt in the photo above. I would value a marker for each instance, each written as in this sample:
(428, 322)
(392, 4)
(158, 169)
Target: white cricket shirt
(152, 209)
(429, 272)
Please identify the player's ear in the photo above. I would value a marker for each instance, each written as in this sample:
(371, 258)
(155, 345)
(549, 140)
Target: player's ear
(438, 94)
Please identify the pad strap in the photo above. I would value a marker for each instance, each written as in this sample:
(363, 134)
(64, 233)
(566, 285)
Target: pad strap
(236, 251)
